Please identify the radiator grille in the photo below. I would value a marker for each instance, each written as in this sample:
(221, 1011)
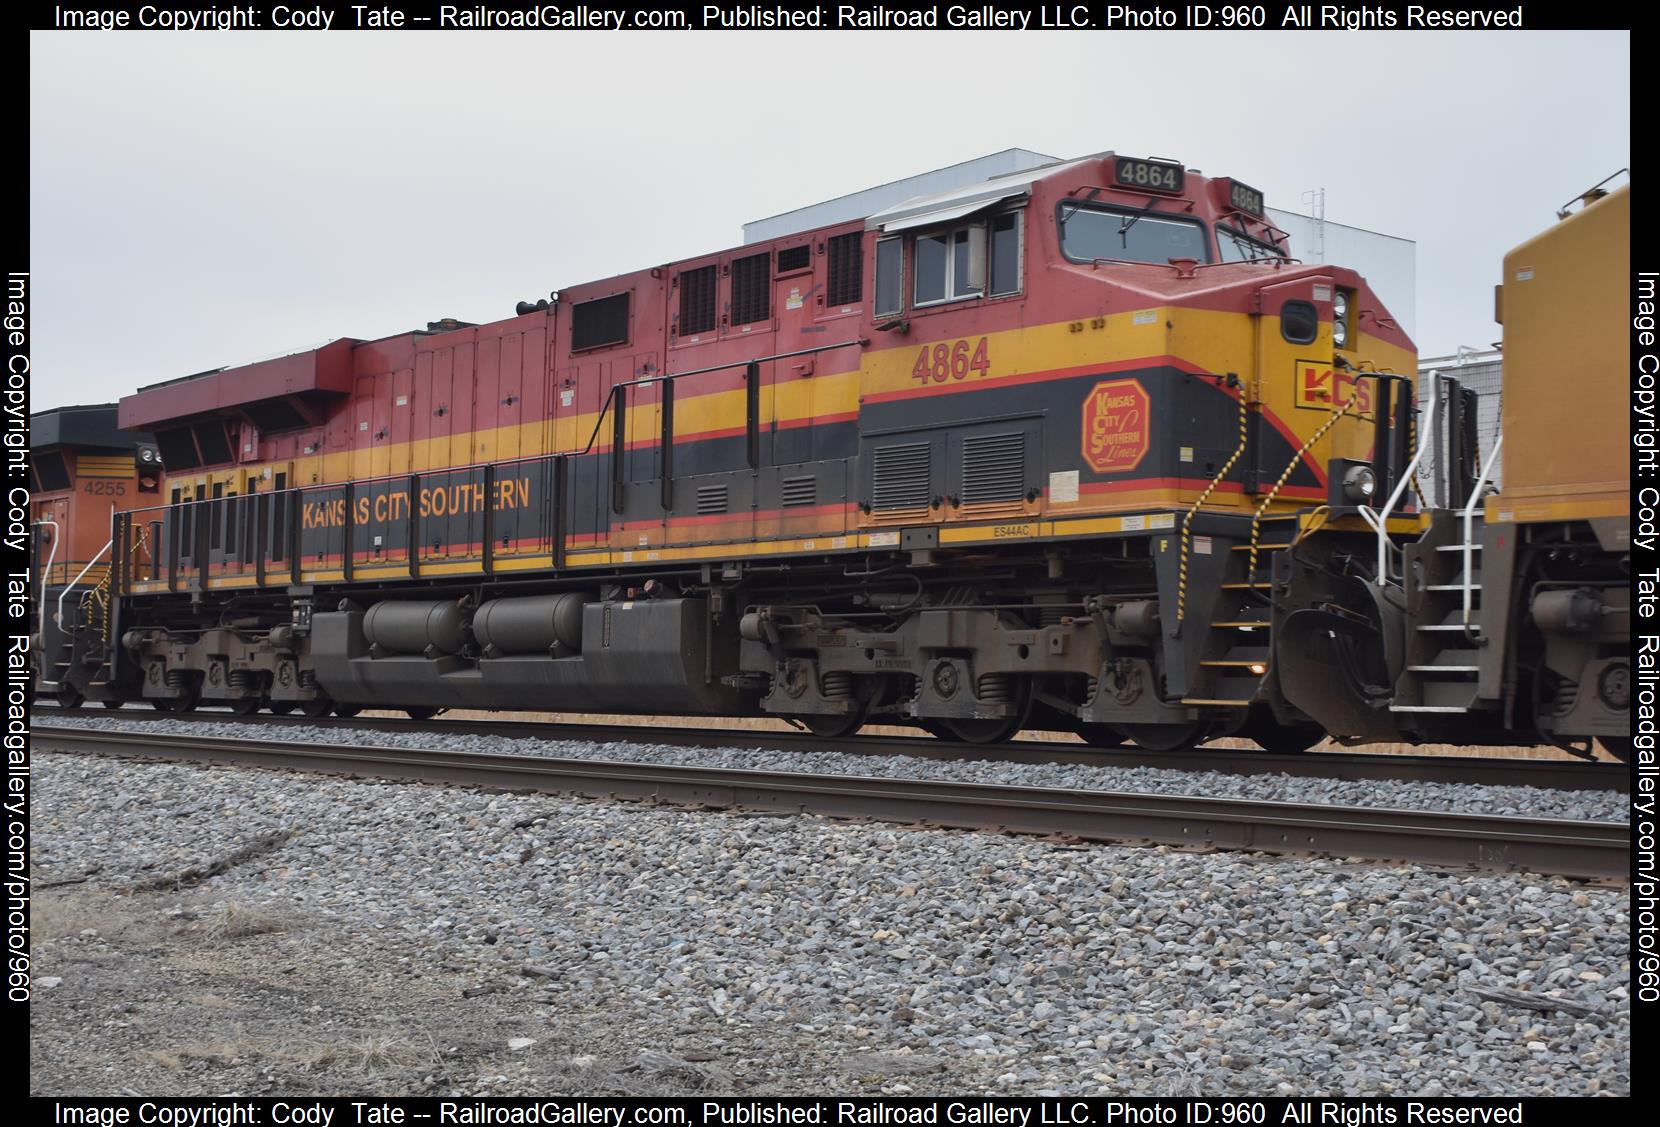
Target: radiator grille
(794, 258)
(994, 468)
(751, 285)
(711, 499)
(901, 477)
(697, 301)
(846, 280)
(799, 491)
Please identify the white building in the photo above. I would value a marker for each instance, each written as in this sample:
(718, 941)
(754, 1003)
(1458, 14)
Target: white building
(1387, 262)
(1479, 369)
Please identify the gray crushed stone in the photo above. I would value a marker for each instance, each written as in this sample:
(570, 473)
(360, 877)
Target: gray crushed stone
(652, 950)
(1531, 801)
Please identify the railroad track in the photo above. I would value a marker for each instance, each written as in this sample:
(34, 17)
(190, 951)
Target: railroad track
(1457, 769)
(1588, 850)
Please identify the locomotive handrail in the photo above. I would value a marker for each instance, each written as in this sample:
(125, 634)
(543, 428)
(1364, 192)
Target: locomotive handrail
(46, 574)
(1380, 520)
(82, 575)
(1469, 518)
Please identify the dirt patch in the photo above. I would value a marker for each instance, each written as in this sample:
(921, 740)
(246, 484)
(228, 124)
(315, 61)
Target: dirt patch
(172, 995)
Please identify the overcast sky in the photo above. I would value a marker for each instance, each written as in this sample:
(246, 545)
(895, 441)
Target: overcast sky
(200, 200)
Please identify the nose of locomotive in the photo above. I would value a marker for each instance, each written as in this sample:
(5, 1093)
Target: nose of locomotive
(1336, 372)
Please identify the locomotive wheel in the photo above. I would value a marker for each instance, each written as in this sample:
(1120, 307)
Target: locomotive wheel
(280, 707)
(186, 703)
(114, 703)
(1001, 730)
(1103, 736)
(69, 697)
(834, 727)
(347, 711)
(1166, 737)
(317, 709)
(1283, 739)
(985, 731)
(423, 712)
(245, 706)
(160, 705)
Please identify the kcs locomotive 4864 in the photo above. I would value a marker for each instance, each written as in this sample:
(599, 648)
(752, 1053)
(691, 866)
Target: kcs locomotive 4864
(1077, 448)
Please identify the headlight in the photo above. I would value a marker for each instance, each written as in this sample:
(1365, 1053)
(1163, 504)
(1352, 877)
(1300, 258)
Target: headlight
(1359, 484)
(1340, 320)
(1340, 304)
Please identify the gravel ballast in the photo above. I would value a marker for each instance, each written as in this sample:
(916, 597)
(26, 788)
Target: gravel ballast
(1537, 802)
(229, 930)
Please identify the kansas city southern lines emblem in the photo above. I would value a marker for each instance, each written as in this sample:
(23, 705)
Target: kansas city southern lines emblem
(1115, 426)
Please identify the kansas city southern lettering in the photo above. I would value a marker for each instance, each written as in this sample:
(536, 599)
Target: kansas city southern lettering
(436, 501)
(1115, 426)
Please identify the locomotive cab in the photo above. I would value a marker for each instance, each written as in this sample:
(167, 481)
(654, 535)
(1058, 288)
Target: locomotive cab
(82, 471)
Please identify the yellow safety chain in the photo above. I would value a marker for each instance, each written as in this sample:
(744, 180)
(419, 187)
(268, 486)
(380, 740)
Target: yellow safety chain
(1187, 521)
(1256, 517)
(98, 598)
(1411, 448)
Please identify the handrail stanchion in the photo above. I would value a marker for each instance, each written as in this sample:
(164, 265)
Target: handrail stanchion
(1380, 520)
(46, 574)
(93, 562)
(1469, 519)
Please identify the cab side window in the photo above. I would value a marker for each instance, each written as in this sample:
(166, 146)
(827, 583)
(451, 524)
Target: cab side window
(968, 260)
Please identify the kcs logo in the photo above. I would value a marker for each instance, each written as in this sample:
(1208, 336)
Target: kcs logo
(1116, 430)
(1321, 387)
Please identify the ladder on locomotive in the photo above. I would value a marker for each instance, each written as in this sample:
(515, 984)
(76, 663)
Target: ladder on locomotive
(1441, 575)
(1236, 648)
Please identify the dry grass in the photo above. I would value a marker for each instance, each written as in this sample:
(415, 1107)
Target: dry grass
(367, 1055)
(771, 724)
(53, 917)
(231, 920)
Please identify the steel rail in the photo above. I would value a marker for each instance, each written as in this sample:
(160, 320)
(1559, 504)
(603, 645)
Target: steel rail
(1588, 850)
(1554, 774)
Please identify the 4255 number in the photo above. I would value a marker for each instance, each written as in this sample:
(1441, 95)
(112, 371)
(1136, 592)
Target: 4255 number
(937, 363)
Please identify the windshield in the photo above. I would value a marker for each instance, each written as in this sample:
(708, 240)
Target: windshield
(1237, 246)
(1089, 233)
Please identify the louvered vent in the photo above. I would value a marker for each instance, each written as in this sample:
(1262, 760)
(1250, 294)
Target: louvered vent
(799, 491)
(794, 258)
(901, 477)
(846, 282)
(599, 322)
(994, 468)
(751, 285)
(711, 499)
(697, 301)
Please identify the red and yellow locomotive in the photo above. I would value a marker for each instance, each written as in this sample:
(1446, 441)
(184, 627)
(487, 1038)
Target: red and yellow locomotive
(1081, 447)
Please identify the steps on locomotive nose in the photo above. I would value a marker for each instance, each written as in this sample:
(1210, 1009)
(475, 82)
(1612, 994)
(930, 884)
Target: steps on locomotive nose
(1236, 647)
(1443, 656)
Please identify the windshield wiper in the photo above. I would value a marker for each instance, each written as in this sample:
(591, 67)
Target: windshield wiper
(1124, 228)
(1073, 207)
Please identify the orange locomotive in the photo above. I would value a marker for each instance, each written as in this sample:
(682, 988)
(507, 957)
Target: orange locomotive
(1068, 448)
(82, 470)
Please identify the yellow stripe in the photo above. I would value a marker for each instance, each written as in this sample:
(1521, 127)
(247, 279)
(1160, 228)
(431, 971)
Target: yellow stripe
(1501, 511)
(1212, 340)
